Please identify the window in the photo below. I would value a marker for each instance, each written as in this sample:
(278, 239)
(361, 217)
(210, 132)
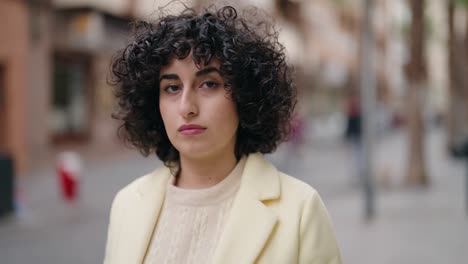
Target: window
(69, 104)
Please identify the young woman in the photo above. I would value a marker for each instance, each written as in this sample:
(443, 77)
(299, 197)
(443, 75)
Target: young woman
(209, 94)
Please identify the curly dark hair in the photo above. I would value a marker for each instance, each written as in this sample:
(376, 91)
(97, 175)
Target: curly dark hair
(253, 64)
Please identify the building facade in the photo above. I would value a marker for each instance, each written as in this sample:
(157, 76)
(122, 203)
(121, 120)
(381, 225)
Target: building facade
(54, 62)
(14, 28)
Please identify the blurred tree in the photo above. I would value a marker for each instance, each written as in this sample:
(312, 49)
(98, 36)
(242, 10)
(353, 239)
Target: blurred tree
(416, 74)
(456, 79)
(131, 8)
(291, 12)
(457, 117)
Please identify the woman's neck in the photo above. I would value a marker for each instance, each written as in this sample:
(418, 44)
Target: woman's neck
(199, 174)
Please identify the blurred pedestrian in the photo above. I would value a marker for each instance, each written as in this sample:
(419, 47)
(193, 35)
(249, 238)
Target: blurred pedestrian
(353, 119)
(353, 135)
(210, 93)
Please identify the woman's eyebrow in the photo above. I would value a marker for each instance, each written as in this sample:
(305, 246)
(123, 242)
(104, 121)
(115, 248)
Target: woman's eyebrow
(169, 77)
(199, 73)
(206, 71)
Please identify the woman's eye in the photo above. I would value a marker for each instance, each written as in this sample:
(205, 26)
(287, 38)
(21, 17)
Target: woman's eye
(171, 88)
(210, 84)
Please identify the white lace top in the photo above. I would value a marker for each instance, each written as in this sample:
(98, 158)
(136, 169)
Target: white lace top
(192, 220)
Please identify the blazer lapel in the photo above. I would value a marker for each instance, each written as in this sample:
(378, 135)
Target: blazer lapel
(251, 222)
(142, 214)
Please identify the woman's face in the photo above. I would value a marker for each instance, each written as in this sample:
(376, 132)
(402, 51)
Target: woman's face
(199, 116)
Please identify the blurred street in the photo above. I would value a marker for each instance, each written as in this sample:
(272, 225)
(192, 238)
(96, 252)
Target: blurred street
(400, 64)
(412, 225)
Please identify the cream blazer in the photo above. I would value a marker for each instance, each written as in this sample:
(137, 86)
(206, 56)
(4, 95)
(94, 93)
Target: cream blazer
(274, 219)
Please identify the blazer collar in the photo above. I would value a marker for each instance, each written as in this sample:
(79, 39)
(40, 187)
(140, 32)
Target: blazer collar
(143, 213)
(251, 222)
(247, 229)
(260, 178)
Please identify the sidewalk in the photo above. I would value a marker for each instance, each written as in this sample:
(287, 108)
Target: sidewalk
(48, 230)
(412, 225)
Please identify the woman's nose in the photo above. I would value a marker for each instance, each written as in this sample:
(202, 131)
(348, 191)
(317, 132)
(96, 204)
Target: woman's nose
(188, 106)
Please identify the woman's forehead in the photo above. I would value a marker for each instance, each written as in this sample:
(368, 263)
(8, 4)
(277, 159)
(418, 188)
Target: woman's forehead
(188, 63)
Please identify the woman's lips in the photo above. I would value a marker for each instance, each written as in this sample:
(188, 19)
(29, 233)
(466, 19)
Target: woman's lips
(190, 130)
(193, 131)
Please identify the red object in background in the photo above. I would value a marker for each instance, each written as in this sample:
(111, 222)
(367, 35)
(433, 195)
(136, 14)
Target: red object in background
(354, 106)
(68, 172)
(297, 129)
(69, 183)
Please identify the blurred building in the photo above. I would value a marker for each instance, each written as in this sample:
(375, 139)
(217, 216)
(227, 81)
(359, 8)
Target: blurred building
(55, 56)
(59, 54)
(14, 51)
(85, 36)
(54, 60)
(54, 65)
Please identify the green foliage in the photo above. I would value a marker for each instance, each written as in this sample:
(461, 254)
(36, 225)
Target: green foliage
(341, 3)
(462, 3)
(430, 31)
(338, 2)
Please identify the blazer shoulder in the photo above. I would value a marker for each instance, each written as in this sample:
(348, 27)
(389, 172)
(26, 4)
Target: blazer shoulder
(292, 185)
(318, 243)
(138, 185)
